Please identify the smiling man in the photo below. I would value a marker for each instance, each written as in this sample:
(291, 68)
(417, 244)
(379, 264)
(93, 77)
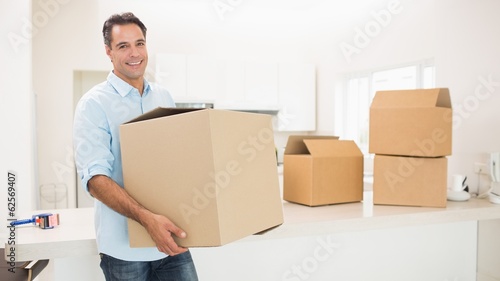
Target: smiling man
(124, 96)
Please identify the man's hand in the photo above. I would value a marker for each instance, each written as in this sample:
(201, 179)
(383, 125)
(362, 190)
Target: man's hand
(159, 227)
(161, 230)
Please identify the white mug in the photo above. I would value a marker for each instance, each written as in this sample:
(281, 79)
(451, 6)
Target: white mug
(458, 183)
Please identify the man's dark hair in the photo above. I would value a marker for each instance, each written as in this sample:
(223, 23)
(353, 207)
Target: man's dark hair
(120, 19)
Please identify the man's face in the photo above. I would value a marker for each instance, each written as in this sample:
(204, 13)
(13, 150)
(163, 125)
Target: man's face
(128, 52)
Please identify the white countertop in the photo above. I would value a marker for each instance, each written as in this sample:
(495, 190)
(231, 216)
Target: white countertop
(302, 220)
(75, 235)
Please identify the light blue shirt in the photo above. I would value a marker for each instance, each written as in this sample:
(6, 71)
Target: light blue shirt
(96, 139)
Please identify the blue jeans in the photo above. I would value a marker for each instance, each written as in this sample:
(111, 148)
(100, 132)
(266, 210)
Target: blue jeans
(172, 268)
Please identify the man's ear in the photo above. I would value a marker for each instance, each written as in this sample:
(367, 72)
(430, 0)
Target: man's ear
(108, 51)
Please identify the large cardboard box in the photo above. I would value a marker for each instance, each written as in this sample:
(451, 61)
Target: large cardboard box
(321, 170)
(212, 172)
(410, 181)
(411, 123)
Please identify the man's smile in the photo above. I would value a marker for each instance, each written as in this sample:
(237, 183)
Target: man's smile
(134, 63)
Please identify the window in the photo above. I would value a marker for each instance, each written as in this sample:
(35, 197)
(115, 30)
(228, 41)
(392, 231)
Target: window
(361, 87)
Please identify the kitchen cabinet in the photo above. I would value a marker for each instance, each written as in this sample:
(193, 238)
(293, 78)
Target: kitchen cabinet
(232, 83)
(201, 78)
(287, 90)
(171, 73)
(261, 83)
(246, 85)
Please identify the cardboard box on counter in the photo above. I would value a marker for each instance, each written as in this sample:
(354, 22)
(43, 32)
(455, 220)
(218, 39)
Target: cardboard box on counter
(410, 181)
(411, 122)
(321, 170)
(212, 172)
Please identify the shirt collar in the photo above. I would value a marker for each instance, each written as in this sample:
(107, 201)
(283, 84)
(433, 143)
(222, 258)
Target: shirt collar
(123, 88)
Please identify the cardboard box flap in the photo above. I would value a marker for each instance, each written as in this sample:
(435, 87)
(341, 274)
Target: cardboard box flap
(332, 147)
(439, 97)
(161, 112)
(296, 145)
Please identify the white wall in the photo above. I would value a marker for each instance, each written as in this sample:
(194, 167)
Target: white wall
(70, 40)
(16, 106)
(467, 53)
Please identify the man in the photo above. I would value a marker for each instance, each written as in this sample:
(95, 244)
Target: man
(125, 95)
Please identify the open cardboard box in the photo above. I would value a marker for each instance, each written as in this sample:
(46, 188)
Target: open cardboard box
(411, 123)
(321, 170)
(410, 181)
(212, 172)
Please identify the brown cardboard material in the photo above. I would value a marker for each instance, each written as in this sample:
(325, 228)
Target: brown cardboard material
(410, 181)
(322, 170)
(212, 172)
(411, 122)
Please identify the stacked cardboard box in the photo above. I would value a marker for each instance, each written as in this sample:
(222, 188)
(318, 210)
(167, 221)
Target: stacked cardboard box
(411, 135)
(322, 170)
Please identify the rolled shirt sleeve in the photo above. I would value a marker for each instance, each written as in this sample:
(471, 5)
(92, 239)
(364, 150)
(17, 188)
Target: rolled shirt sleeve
(92, 142)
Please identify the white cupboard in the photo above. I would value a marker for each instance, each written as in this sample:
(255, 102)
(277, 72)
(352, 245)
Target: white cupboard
(261, 83)
(286, 90)
(201, 78)
(171, 73)
(232, 83)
